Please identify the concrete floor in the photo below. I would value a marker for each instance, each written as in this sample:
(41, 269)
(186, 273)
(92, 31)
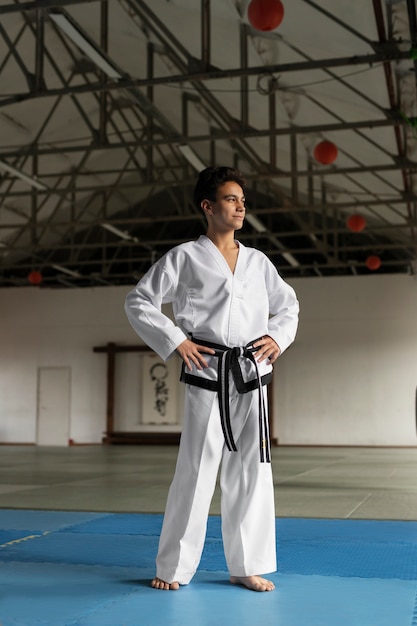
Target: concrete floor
(357, 483)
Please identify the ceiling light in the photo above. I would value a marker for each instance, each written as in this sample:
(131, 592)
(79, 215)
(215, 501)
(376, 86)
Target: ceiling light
(65, 282)
(27, 179)
(120, 233)
(100, 279)
(290, 259)
(257, 224)
(351, 264)
(65, 270)
(191, 157)
(81, 40)
(285, 255)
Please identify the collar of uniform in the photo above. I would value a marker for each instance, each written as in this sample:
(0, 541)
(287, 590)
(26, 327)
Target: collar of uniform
(215, 252)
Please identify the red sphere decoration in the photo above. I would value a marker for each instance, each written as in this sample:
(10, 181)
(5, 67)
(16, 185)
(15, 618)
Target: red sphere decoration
(356, 223)
(373, 262)
(265, 15)
(35, 277)
(325, 152)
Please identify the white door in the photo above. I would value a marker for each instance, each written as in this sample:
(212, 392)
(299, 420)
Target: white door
(54, 385)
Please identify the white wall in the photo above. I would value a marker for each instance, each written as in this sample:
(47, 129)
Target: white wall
(46, 328)
(350, 377)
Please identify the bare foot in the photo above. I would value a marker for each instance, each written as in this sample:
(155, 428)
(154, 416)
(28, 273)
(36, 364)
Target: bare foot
(157, 583)
(256, 583)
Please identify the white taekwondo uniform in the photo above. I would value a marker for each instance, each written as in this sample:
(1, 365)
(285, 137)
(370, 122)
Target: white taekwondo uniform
(214, 305)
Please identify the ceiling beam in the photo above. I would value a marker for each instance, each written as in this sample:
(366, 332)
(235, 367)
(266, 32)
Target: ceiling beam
(157, 243)
(393, 119)
(321, 171)
(194, 217)
(129, 83)
(356, 206)
(27, 265)
(38, 4)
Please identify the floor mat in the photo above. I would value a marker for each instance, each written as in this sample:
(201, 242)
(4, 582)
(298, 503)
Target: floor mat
(81, 569)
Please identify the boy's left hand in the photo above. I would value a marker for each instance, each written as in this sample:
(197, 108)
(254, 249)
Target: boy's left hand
(267, 349)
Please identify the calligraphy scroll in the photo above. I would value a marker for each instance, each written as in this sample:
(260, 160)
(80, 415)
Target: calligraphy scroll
(159, 390)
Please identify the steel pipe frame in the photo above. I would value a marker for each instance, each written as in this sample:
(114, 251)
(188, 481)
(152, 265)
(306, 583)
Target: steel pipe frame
(35, 248)
(340, 264)
(379, 19)
(177, 61)
(186, 217)
(265, 176)
(298, 131)
(320, 172)
(129, 83)
(39, 4)
(249, 133)
(251, 69)
(86, 151)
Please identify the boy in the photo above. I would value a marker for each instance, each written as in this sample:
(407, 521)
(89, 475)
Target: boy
(234, 315)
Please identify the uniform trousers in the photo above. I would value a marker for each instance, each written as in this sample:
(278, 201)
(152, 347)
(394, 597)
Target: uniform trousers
(247, 492)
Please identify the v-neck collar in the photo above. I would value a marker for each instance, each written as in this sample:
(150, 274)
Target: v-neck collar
(215, 252)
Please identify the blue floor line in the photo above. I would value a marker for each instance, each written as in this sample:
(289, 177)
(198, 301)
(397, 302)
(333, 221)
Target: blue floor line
(82, 569)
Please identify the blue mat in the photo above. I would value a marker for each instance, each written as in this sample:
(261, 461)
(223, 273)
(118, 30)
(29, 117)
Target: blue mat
(83, 569)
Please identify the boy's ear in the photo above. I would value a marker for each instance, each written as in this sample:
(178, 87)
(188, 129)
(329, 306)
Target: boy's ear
(206, 207)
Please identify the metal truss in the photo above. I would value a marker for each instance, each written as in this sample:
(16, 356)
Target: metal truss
(99, 154)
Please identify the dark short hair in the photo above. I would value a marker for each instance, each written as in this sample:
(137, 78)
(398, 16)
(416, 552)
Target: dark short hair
(210, 179)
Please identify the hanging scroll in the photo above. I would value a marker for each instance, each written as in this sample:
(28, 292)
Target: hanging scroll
(159, 390)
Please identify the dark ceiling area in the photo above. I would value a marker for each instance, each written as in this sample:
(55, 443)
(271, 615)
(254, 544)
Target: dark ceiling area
(108, 110)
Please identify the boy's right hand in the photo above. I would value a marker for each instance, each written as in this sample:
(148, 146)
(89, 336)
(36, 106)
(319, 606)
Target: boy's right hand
(190, 353)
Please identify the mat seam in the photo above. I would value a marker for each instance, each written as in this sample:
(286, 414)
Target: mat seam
(414, 617)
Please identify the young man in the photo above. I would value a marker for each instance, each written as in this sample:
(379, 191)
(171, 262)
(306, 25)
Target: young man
(234, 315)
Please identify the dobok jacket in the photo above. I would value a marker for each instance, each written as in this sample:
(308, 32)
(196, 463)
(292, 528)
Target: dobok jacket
(212, 304)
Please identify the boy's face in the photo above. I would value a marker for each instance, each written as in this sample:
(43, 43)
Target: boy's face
(227, 212)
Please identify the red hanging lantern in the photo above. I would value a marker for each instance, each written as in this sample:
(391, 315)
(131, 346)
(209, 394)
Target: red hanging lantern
(325, 152)
(35, 277)
(356, 223)
(265, 15)
(373, 262)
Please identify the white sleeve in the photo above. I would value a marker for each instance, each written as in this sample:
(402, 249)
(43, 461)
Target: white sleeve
(283, 308)
(143, 309)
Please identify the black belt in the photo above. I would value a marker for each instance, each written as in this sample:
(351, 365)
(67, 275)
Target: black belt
(229, 362)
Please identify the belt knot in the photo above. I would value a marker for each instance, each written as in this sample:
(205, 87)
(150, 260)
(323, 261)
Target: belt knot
(229, 364)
